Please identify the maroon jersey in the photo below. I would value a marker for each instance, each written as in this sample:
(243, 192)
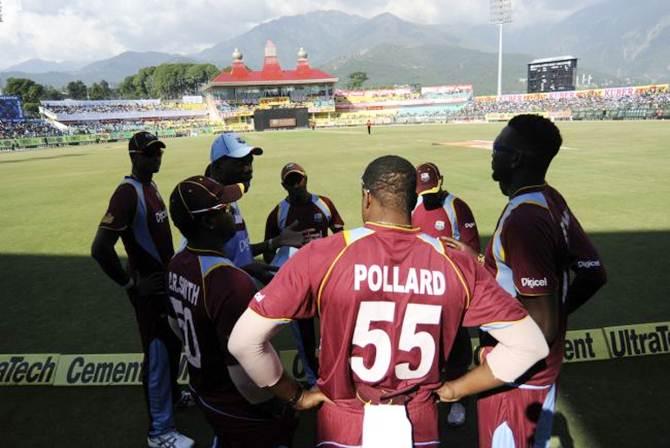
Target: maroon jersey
(319, 213)
(136, 211)
(453, 219)
(208, 294)
(391, 301)
(536, 243)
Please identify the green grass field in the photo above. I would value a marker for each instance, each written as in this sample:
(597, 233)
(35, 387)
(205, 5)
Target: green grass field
(614, 175)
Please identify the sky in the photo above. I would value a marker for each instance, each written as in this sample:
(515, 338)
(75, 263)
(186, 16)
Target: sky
(89, 30)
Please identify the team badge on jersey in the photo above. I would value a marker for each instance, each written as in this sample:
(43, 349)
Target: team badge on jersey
(439, 225)
(107, 219)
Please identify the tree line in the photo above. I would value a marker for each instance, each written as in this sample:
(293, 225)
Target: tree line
(167, 81)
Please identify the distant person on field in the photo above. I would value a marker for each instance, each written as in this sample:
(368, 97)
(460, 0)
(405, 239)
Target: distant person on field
(441, 214)
(300, 211)
(540, 254)
(208, 294)
(231, 163)
(369, 125)
(138, 216)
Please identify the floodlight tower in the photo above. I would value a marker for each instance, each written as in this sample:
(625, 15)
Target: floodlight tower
(501, 13)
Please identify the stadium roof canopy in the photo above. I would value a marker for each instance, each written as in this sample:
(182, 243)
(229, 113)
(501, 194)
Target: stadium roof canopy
(272, 73)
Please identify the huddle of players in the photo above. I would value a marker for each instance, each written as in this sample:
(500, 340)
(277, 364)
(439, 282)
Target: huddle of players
(393, 297)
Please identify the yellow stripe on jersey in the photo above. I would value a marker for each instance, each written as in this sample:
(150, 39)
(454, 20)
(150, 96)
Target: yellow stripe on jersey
(439, 248)
(459, 274)
(434, 242)
(350, 237)
(204, 276)
(394, 227)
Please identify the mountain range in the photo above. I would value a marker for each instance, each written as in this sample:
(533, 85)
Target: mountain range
(617, 42)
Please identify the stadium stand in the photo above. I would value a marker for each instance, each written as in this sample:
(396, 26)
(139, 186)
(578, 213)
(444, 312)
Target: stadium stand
(69, 111)
(76, 122)
(27, 128)
(625, 103)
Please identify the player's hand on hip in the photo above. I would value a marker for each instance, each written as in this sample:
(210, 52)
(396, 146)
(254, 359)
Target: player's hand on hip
(458, 245)
(295, 238)
(447, 393)
(152, 284)
(310, 399)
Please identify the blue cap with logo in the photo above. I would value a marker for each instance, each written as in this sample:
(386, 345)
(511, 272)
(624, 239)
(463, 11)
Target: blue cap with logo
(229, 144)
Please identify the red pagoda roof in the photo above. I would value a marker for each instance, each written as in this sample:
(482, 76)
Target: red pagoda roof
(271, 73)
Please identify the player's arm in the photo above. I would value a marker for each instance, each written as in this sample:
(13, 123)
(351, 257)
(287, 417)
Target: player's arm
(520, 341)
(250, 344)
(544, 311)
(289, 296)
(583, 287)
(529, 251)
(467, 225)
(288, 237)
(520, 345)
(336, 222)
(587, 267)
(229, 291)
(271, 232)
(102, 250)
(119, 216)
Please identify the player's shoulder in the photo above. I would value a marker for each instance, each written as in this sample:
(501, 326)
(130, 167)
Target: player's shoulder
(527, 221)
(330, 244)
(460, 259)
(460, 202)
(419, 206)
(325, 199)
(124, 195)
(275, 211)
(456, 262)
(180, 258)
(125, 187)
(221, 267)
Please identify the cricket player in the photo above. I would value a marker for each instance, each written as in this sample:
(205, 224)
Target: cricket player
(391, 300)
(438, 212)
(231, 163)
(441, 214)
(540, 254)
(138, 216)
(303, 211)
(208, 294)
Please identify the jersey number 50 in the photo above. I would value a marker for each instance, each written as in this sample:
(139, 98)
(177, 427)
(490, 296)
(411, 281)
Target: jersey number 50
(415, 314)
(185, 320)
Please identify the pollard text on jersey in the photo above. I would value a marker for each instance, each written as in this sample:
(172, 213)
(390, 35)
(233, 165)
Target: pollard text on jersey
(391, 279)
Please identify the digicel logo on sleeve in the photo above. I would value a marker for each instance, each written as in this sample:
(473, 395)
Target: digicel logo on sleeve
(533, 282)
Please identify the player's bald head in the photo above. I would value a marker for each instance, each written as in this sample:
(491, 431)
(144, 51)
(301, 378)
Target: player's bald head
(392, 181)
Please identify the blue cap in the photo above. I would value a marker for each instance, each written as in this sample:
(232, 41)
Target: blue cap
(230, 144)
